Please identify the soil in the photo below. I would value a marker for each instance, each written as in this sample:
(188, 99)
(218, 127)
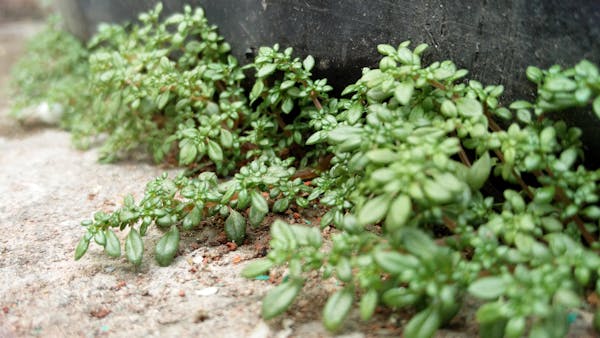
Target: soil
(47, 187)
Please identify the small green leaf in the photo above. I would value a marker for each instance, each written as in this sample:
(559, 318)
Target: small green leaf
(548, 136)
(490, 312)
(214, 151)
(592, 211)
(188, 153)
(551, 224)
(256, 216)
(235, 227)
(403, 92)
(337, 308)
(161, 100)
(479, 172)
(167, 246)
(259, 202)
(488, 287)
(266, 70)
(469, 107)
(566, 298)
(533, 161)
(128, 201)
(520, 104)
(281, 205)
(113, 246)
(280, 298)
(243, 199)
(257, 268)
(287, 84)
(106, 76)
(308, 63)
(503, 113)
(344, 270)
(398, 213)
(596, 106)
(448, 108)
(560, 84)
(405, 56)
(399, 297)
(384, 49)
(257, 89)
(344, 133)
(423, 324)
(354, 113)
(282, 232)
(288, 105)
(144, 226)
(134, 247)
(100, 238)
(192, 219)
(544, 194)
(373, 77)
(418, 243)
(368, 304)
(497, 91)
(395, 262)
(82, 247)
(443, 73)
(437, 193)
(583, 94)
(382, 156)
(374, 210)
(165, 221)
(226, 138)
(534, 74)
(515, 327)
(524, 116)
(421, 48)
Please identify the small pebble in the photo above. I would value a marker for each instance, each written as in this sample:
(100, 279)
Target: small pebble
(207, 291)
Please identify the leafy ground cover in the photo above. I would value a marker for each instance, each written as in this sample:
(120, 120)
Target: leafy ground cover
(436, 189)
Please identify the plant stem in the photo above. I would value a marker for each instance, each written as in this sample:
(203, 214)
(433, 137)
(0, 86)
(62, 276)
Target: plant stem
(493, 125)
(438, 85)
(449, 223)
(496, 128)
(463, 157)
(315, 100)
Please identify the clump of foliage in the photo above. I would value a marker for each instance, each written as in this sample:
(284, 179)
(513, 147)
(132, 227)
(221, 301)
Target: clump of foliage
(53, 72)
(436, 189)
(166, 81)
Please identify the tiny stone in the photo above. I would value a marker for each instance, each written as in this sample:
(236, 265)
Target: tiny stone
(207, 291)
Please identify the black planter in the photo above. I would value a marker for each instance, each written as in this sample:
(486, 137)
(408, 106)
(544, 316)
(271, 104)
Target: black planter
(495, 40)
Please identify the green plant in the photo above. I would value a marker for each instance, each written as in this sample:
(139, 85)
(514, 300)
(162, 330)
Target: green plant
(166, 81)
(436, 190)
(419, 147)
(52, 72)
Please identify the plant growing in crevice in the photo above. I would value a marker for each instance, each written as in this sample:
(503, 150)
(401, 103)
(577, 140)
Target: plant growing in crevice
(418, 147)
(403, 162)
